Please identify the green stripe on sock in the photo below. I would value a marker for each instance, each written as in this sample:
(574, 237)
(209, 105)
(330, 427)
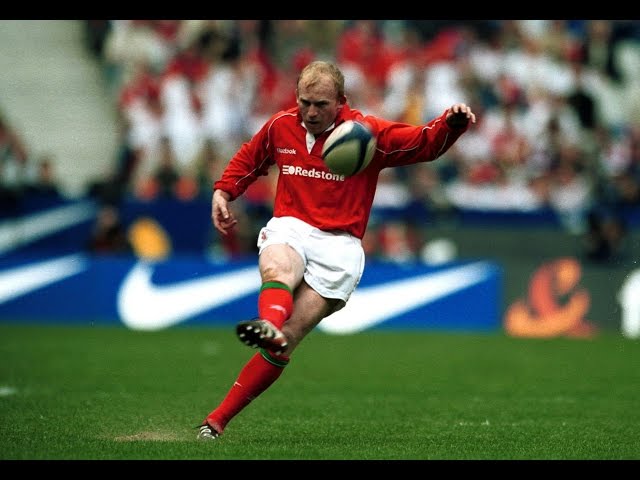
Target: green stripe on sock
(275, 285)
(278, 362)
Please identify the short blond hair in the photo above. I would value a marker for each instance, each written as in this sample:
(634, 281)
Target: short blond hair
(310, 74)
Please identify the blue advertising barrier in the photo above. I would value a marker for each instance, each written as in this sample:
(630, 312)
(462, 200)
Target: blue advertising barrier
(82, 289)
(45, 274)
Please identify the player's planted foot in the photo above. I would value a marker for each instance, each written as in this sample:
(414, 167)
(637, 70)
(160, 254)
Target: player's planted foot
(207, 432)
(259, 333)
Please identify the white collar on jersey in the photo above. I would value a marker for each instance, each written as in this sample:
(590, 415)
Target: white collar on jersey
(311, 138)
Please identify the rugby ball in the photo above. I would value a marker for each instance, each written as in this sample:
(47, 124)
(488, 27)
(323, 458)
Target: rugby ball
(349, 148)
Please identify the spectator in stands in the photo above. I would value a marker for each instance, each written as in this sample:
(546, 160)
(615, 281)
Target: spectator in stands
(571, 193)
(167, 173)
(15, 169)
(164, 178)
(606, 231)
(45, 184)
(109, 235)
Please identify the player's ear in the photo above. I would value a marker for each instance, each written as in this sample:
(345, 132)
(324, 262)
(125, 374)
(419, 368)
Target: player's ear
(342, 99)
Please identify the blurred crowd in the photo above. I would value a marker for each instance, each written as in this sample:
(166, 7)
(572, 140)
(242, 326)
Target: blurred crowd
(21, 175)
(558, 103)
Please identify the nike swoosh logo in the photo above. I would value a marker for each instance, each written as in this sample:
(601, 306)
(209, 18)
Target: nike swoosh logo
(145, 306)
(370, 306)
(21, 280)
(29, 228)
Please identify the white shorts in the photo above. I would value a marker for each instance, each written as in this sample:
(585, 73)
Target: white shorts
(334, 261)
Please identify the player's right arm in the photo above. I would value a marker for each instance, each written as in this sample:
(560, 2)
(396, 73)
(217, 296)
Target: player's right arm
(251, 161)
(223, 218)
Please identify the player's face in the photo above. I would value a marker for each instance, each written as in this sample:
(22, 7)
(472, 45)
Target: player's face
(319, 104)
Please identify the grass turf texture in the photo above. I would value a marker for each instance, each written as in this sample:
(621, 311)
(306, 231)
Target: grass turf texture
(110, 393)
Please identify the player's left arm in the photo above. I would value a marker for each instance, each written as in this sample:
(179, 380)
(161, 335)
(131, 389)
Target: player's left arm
(459, 116)
(403, 144)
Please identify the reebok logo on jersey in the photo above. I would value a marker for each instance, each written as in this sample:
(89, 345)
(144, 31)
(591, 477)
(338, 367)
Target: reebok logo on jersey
(287, 151)
(311, 173)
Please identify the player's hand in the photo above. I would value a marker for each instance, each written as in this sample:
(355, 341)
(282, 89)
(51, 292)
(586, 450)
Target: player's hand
(223, 219)
(459, 116)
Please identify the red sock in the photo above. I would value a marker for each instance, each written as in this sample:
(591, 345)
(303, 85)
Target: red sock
(256, 376)
(275, 303)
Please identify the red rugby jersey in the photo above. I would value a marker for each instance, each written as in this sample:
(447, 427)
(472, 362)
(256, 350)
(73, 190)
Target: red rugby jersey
(306, 189)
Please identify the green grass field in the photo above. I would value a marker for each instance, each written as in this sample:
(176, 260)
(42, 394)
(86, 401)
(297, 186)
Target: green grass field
(110, 393)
